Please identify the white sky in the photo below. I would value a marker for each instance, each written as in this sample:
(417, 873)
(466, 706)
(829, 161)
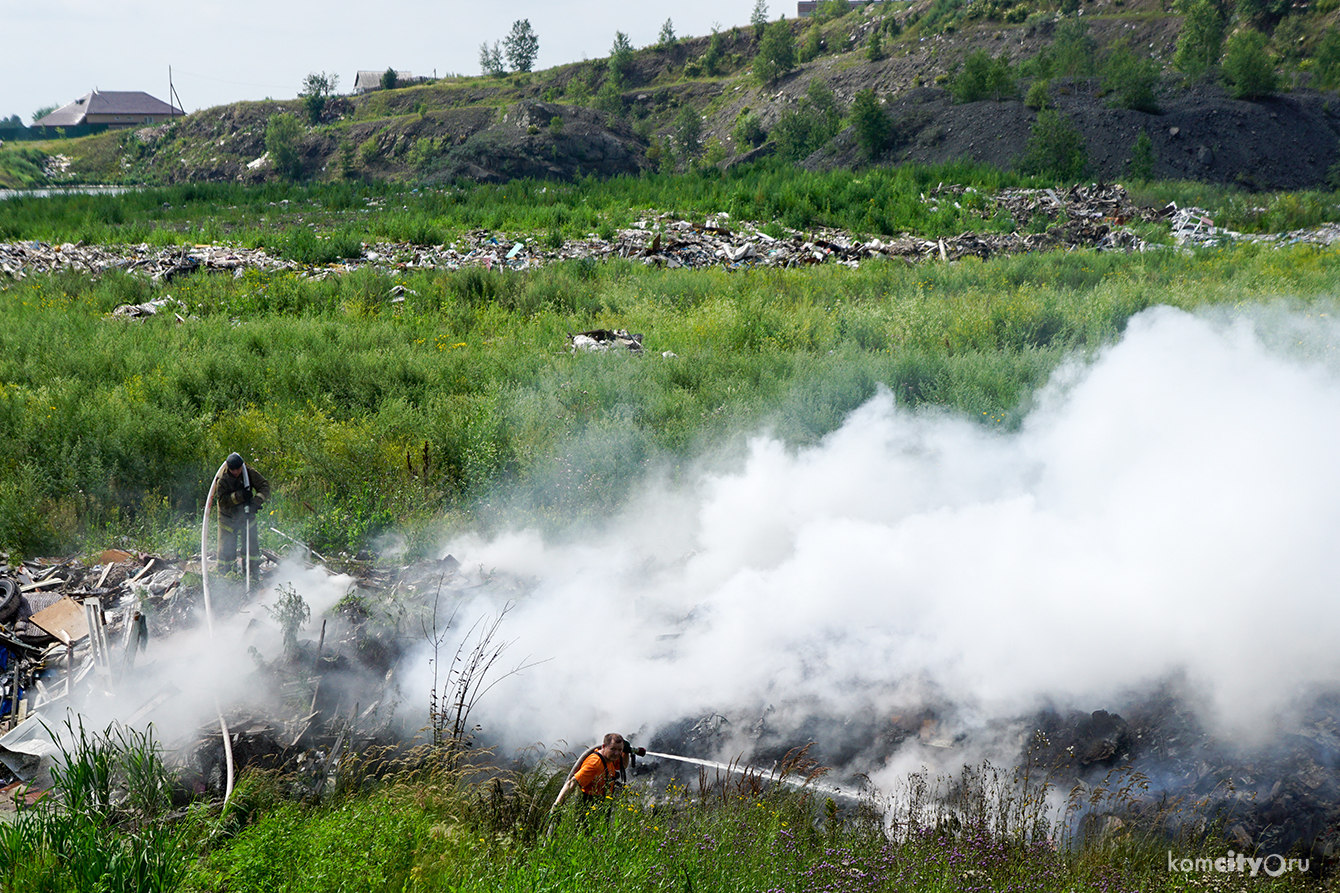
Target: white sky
(54, 51)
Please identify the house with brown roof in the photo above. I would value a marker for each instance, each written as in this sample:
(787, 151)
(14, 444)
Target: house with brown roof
(111, 109)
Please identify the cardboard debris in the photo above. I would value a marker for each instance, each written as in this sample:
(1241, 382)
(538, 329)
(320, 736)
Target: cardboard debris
(64, 620)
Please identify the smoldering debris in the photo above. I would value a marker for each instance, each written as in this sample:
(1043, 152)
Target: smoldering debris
(1148, 765)
(125, 643)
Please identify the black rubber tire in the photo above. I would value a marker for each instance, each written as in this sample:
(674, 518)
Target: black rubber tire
(10, 597)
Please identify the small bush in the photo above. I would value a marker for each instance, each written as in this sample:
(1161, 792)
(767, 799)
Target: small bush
(748, 132)
(369, 150)
(1037, 97)
(1201, 42)
(282, 135)
(873, 127)
(1055, 149)
(1141, 165)
(776, 52)
(983, 77)
(1131, 78)
(1248, 68)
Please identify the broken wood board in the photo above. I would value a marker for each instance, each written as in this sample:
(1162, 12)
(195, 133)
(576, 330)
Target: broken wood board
(64, 620)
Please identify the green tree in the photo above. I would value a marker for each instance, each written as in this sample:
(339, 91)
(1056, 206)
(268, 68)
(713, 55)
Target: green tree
(1262, 14)
(283, 134)
(874, 48)
(317, 87)
(1201, 42)
(43, 112)
(776, 52)
(982, 77)
(1073, 50)
(759, 18)
(1130, 78)
(831, 9)
(1248, 68)
(688, 134)
(667, 36)
(621, 58)
(1039, 95)
(814, 121)
(491, 59)
(1141, 165)
(712, 56)
(1326, 59)
(389, 79)
(813, 44)
(521, 46)
(1055, 149)
(873, 127)
(748, 132)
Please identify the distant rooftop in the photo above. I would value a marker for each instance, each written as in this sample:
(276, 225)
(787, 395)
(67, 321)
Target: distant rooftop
(110, 107)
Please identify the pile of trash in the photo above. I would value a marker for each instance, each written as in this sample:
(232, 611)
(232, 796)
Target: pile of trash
(80, 639)
(22, 259)
(1082, 217)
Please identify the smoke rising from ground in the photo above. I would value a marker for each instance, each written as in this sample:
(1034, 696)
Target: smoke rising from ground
(1168, 506)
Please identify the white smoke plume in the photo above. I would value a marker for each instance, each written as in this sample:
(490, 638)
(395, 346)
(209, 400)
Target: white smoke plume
(1170, 505)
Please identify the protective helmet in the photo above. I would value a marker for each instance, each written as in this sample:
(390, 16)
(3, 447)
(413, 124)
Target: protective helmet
(234, 461)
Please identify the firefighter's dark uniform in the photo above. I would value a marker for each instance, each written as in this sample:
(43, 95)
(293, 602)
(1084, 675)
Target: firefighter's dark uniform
(238, 506)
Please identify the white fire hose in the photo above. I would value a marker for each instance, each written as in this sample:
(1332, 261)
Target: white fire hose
(209, 618)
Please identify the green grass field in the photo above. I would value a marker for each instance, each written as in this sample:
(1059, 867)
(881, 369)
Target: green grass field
(426, 415)
(462, 407)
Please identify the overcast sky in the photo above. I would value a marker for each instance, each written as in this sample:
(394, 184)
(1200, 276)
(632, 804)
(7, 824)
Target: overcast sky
(55, 51)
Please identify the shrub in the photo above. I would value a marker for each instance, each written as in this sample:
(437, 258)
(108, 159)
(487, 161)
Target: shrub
(748, 132)
(776, 52)
(282, 134)
(1073, 50)
(1141, 165)
(423, 152)
(688, 134)
(1130, 78)
(1248, 68)
(813, 44)
(982, 77)
(1055, 149)
(491, 59)
(368, 150)
(872, 126)
(1037, 98)
(1201, 42)
(711, 61)
(316, 88)
(1326, 59)
(621, 58)
(813, 122)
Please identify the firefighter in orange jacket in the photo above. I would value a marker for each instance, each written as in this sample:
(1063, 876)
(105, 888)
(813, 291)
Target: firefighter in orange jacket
(596, 776)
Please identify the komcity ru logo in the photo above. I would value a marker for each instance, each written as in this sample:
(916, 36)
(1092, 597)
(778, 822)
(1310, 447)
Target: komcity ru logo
(1273, 865)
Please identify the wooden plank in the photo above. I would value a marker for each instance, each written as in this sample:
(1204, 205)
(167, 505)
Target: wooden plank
(64, 620)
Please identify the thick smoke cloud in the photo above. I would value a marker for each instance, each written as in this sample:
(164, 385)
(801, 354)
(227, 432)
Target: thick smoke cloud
(1169, 506)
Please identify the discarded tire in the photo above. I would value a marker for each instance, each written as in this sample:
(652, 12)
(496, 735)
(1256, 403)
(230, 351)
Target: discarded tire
(10, 596)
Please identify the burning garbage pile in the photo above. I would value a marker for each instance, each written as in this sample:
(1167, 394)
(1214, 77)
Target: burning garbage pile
(125, 643)
(1154, 767)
